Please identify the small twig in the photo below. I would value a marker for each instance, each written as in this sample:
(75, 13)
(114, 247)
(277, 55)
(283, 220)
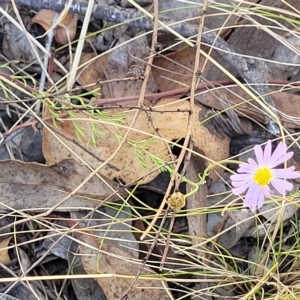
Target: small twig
(78, 52)
(54, 95)
(49, 39)
(145, 109)
(155, 97)
(166, 250)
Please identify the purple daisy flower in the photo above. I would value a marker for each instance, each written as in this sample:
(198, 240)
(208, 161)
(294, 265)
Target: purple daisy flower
(256, 176)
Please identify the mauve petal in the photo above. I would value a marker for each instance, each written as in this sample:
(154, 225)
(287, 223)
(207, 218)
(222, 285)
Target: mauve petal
(290, 169)
(267, 152)
(267, 192)
(247, 169)
(252, 196)
(286, 173)
(279, 152)
(237, 184)
(259, 154)
(246, 202)
(282, 159)
(244, 164)
(261, 199)
(252, 162)
(240, 177)
(241, 189)
(281, 185)
(278, 187)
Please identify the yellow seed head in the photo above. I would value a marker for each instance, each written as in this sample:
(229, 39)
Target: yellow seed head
(176, 201)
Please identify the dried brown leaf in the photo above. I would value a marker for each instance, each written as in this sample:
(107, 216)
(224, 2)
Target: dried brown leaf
(175, 70)
(118, 264)
(33, 185)
(170, 120)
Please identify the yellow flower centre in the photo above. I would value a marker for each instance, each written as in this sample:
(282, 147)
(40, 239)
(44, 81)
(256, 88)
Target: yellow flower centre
(263, 176)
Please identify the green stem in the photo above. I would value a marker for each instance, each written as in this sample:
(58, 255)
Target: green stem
(205, 174)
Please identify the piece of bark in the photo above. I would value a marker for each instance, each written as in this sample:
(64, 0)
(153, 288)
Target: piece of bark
(197, 222)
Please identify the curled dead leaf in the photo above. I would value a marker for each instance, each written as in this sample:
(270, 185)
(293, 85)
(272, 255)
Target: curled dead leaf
(4, 257)
(66, 30)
